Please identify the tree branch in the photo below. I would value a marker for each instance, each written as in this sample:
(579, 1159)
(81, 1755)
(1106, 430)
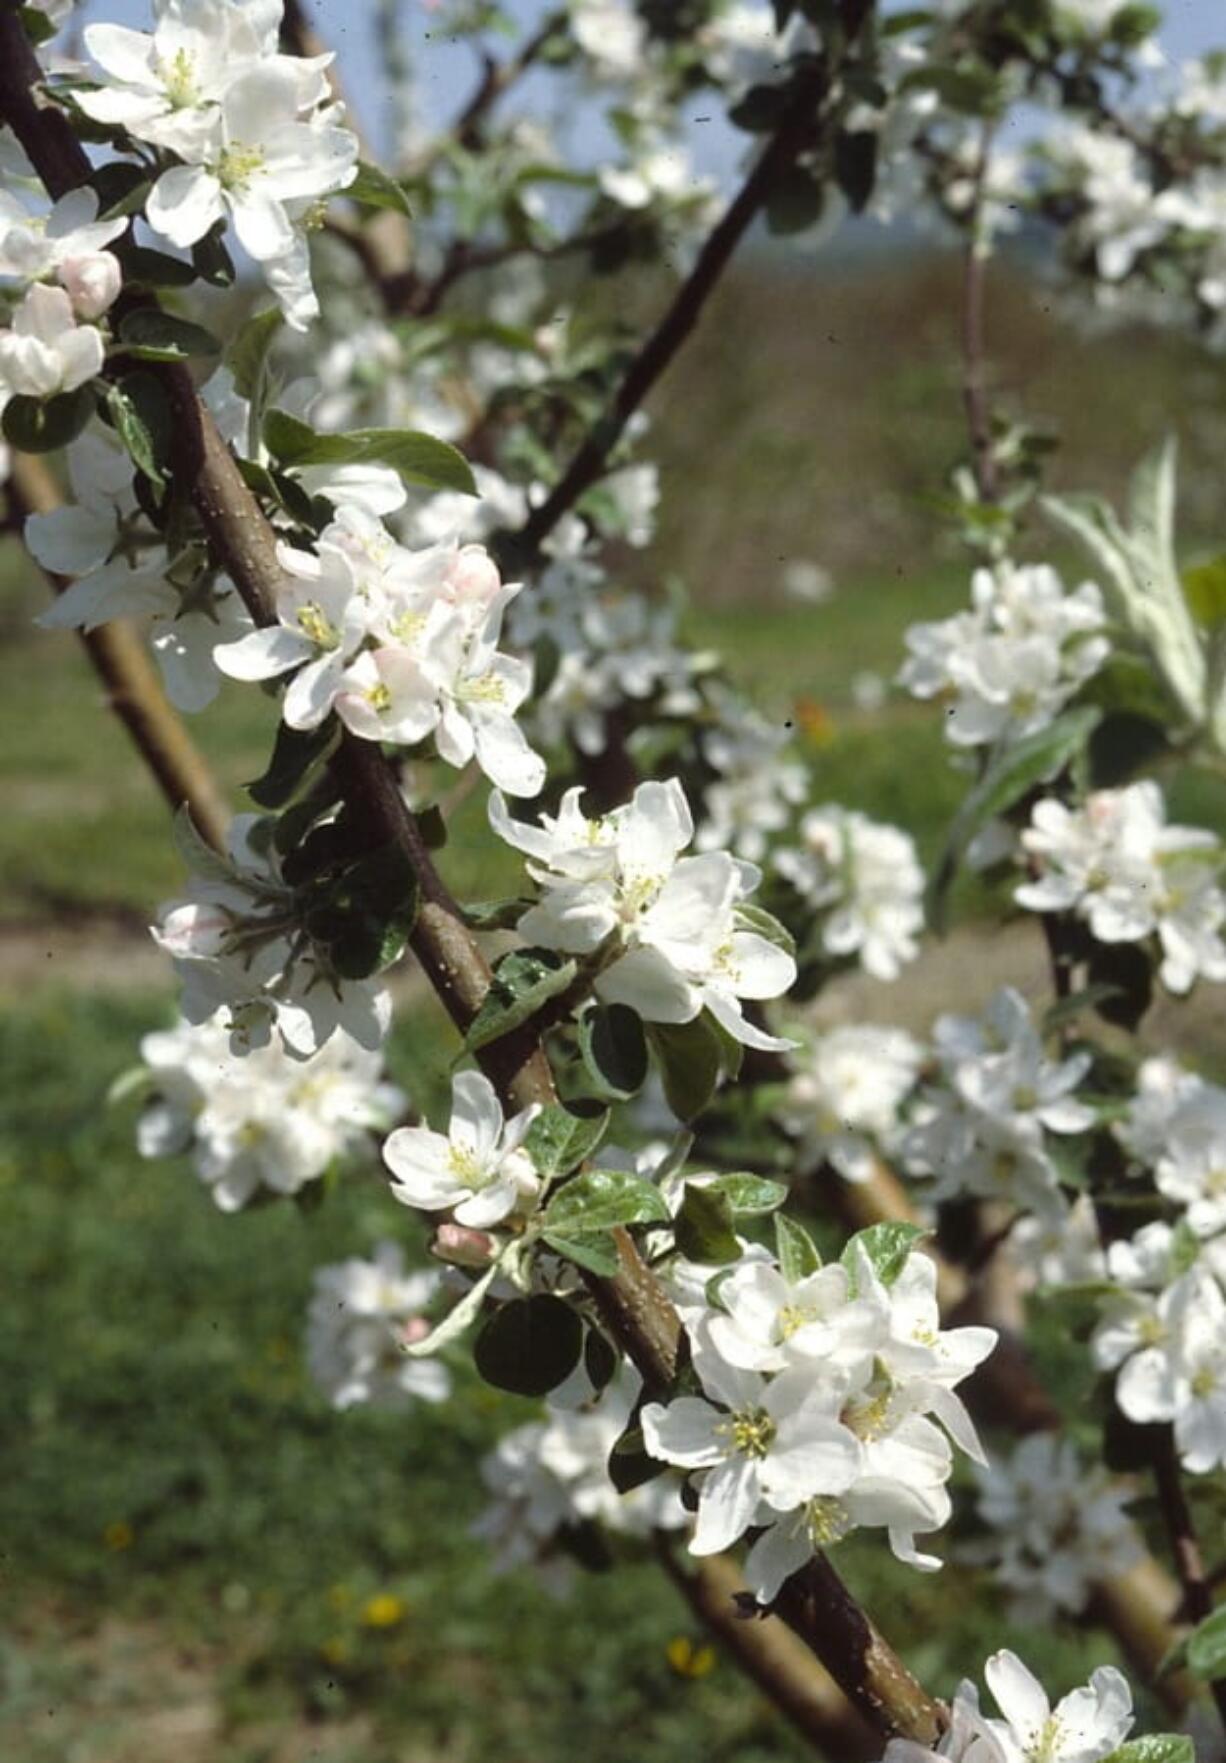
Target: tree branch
(795, 132)
(1185, 1544)
(974, 379)
(133, 689)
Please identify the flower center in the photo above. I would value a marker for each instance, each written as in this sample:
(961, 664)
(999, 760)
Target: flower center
(486, 688)
(463, 1164)
(378, 697)
(752, 1432)
(315, 624)
(826, 1521)
(238, 165)
(178, 76)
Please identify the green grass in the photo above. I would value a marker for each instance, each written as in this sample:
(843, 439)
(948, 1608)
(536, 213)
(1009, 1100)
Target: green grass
(168, 1472)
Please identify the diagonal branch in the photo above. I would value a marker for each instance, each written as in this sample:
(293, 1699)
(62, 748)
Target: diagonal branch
(797, 130)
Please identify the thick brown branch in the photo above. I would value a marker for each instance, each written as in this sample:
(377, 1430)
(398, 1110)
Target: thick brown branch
(771, 1655)
(133, 690)
(1184, 1542)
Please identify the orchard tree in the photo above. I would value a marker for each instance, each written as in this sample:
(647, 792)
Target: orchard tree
(770, 1282)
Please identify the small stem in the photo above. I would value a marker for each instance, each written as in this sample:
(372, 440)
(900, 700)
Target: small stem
(974, 376)
(1185, 1544)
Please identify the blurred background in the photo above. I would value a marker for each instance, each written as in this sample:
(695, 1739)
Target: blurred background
(199, 1559)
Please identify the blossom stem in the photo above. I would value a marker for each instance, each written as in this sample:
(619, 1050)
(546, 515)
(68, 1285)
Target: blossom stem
(133, 690)
(974, 290)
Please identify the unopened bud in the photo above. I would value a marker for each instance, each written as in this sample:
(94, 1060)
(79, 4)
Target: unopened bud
(462, 1247)
(92, 283)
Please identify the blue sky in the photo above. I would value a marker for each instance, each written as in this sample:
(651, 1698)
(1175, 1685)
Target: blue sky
(446, 70)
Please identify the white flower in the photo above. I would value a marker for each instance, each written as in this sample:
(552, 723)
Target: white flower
(1177, 1125)
(1012, 662)
(478, 692)
(967, 1739)
(866, 878)
(548, 1477)
(68, 243)
(1087, 1725)
(1058, 1248)
(753, 786)
(164, 87)
(236, 946)
(985, 1130)
(1120, 867)
(362, 1315)
(1121, 218)
(666, 925)
(1199, 1401)
(258, 164)
(265, 1120)
(322, 621)
(477, 1168)
(752, 1440)
(611, 34)
(1058, 1525)
(843, 1098)
(103, 539)
(47, 351)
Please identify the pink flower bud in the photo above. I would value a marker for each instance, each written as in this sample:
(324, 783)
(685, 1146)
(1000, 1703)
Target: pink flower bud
(415, 1329)
(473, 577)
(92, 282)
(462, 1247)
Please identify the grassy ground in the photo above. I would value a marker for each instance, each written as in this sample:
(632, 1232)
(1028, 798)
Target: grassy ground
(199, 1555)
(200, 1561)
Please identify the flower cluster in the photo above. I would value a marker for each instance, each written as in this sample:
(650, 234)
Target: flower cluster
(865, 879)
(1164, 1334)
(402, 644)
(987, 1128)
(753, 785)
(1086, 1726)
(361, 1317)
(668, 935)
(1056, 1526)
(265, 1121)
(820, 1395)
(1016, 658)
(550, 1479)
(843, 1100)
(124, 570)
(1118, 865)
(259, 143)
(238, 946)
(59, 256)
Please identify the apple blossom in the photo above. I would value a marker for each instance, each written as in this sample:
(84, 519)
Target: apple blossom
(865, 880)
(361, 1315)
(843, 1099)
(47, 351)
(478, 1168)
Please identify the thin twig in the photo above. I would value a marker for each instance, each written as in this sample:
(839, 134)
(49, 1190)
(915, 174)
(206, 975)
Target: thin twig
(974, 377)
(1185, 1544)
(795, 133)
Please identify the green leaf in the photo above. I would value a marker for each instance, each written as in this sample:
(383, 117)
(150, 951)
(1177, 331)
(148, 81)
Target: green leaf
(373, 188)
(141, 412)
(596, 1251)
(494, 914)
(704, 1227)
(456, 1321)
(749, 1196)
(524, 981)
(798, 1256)
(198, 855)
(690, 1060)
(614, 1050)
(122, 188)
(887, 1247)
(247, 359)
(530, 1345)
(419, 458)
(602, 1199)
(600, 1358)
(855, 166)
(559, 1141)
(296, 755)
(1156, 1747)
(154, 335)
(795, 202)
(156, 269)
(1035, 759)
(37, 26)
(40, 425)
(1207, 1646)
(765, 924)
(629, 1465)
